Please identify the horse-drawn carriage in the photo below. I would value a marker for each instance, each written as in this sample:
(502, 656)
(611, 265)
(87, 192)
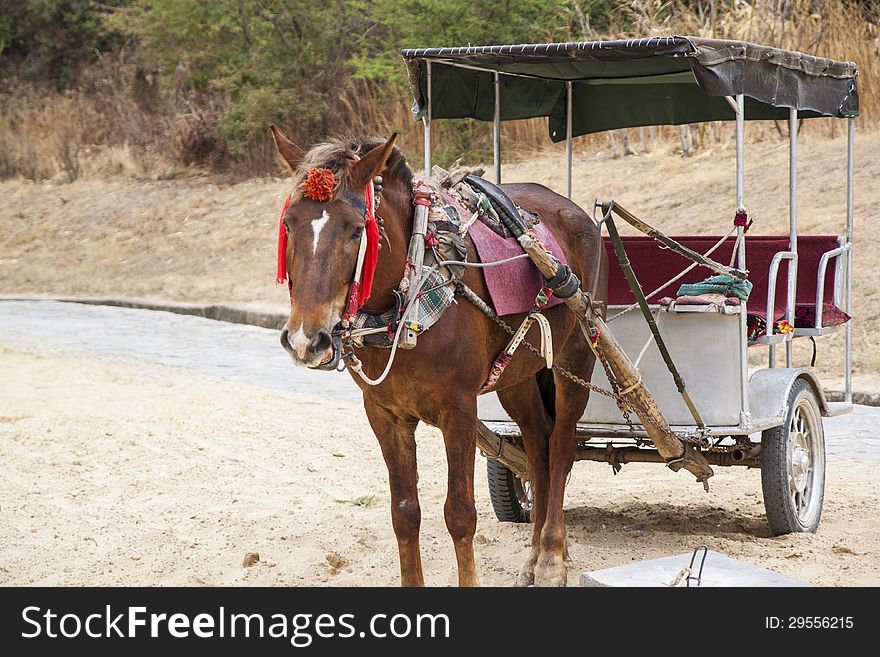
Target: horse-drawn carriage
(770, 418)
(674, 384)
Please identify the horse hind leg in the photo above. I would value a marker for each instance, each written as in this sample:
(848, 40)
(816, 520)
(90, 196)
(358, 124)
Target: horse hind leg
(524, 404)
(459, 427)
(571, 400)
(397, 440)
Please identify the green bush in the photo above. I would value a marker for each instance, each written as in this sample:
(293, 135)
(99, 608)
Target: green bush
(44, 39)
(291, 61)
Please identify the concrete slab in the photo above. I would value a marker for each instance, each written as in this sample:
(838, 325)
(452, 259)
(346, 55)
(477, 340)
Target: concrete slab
(718, 570)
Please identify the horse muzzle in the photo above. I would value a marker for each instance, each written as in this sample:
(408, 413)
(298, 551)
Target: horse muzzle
(322, 352)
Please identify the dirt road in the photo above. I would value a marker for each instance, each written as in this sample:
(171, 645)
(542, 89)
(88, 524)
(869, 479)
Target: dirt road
(122, 470)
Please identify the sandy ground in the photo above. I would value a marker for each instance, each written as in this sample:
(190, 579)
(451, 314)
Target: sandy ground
(119, 472)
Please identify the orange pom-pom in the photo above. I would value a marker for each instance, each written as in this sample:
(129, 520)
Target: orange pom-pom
(319, 184)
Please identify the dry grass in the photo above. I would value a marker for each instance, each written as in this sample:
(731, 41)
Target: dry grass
(114, 123)
(118, 122)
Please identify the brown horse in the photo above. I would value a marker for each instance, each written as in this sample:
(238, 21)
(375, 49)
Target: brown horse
(438, 381)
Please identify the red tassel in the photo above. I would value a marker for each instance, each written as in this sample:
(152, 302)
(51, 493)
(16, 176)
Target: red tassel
(371, 257)
(281, 270)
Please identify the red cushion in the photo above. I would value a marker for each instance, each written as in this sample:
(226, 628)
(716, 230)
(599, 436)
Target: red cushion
(805, 315)
(655, 264)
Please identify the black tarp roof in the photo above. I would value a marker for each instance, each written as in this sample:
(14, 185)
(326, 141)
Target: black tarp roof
(621, 84)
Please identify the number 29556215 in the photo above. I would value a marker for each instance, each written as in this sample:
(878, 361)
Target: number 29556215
(808, 622)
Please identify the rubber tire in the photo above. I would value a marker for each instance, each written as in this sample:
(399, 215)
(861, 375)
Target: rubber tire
(781, 514)
(502, 492)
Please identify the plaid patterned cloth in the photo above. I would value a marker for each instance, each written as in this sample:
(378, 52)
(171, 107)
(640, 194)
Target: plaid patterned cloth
(433, 302)
(438, 296)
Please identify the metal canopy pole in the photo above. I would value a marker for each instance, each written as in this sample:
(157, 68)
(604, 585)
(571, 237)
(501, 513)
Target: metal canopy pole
(740, 176)
(850, 168)
(769, 331)
(496, 130)
(739, 108)
(568, 138)
(792, 227)
(427, 121)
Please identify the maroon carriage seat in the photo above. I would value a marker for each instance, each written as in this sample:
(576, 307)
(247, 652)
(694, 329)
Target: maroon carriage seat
(655, 264)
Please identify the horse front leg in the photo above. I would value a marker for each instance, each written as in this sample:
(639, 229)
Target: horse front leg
(397, 440)
(459, 427)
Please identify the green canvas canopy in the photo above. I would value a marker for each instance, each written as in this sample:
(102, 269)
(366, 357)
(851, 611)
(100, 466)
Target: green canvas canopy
(622, 84)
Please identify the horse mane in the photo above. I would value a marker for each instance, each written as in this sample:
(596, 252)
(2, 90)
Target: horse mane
(335, 155)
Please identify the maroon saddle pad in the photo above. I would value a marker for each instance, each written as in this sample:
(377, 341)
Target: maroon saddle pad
(513, 285)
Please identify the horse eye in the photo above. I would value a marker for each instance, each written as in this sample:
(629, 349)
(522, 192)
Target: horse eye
(356, 235)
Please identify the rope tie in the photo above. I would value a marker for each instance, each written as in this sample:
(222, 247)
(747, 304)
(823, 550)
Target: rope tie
(629, 389)
(741, 220)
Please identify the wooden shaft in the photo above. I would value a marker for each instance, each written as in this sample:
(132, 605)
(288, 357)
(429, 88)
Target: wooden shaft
(628, 377)
(496, 447)
(415, 256)
(670, 243)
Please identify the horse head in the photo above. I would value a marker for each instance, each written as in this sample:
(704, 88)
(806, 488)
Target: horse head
(325, 221)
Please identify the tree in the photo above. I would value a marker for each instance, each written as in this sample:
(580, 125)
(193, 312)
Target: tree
(45, 39)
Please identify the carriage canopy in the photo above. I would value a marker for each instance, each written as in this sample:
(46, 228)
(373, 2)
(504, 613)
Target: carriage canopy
(621, 84)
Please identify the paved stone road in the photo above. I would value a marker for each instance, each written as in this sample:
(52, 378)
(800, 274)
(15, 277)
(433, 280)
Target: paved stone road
(252, 355)
(231, 351)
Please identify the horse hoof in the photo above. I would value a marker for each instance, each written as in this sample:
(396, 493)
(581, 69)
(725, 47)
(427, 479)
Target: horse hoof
(552, 573)
(526, 577)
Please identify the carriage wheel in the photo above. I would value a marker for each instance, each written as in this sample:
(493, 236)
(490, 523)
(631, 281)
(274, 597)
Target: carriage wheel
(793, 465)
(511, 496)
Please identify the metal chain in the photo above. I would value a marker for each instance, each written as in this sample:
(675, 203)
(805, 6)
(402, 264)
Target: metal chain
(621, 402)
(615, 387)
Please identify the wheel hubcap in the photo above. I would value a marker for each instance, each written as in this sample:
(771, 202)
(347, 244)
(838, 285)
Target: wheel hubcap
(802, 457)
(800, 463)
(524, 494)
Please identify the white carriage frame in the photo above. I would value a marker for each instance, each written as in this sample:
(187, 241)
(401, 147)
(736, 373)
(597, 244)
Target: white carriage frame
(762, 398)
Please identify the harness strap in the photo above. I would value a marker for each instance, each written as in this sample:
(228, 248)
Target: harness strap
(354, 296)
(504, 357)
(365, 269)
(546, 338)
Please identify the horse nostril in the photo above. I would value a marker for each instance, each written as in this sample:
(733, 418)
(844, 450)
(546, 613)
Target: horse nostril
(322, 341)
(285, 342)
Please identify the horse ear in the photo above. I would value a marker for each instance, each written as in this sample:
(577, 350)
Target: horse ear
(290, 153)
(371, 164)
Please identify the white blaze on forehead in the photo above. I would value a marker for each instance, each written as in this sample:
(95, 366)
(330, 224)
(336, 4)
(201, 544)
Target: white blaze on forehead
(317, 227)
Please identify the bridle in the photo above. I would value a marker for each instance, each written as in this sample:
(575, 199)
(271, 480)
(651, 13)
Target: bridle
(365, 267)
